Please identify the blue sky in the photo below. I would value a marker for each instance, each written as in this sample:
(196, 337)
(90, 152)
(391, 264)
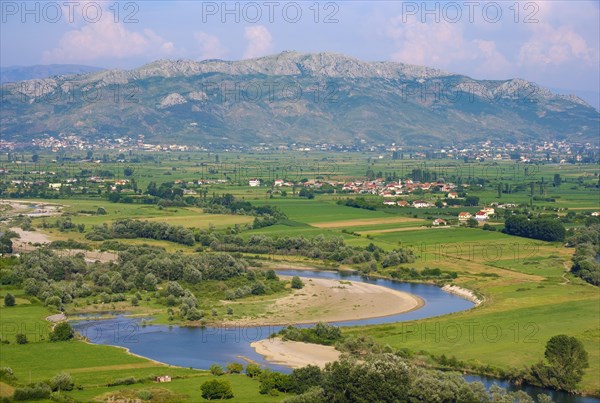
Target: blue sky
(553, 43)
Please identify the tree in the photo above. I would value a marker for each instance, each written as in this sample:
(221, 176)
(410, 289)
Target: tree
(128, 171)
(568, 359)
(472, 201)
(217, 389)
(21, 338)
(297, 283)
(62, 332)
(253, 370)
(54, 301)
(304, 192)
(557, 180)
(234, 367)
(305, 378)
(9, 300)
(472, 223)
(216, 370)
(150, 282)
(385, 378)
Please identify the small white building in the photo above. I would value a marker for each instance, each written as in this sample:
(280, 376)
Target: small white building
(421, 204)
(254, 182)
(481, 216)
(489, 210)
(464, 216)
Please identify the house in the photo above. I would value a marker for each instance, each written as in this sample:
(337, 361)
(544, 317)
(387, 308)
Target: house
(254, 182)
(389, 203)
(596, 214)
(481, 216)
(489, 210)
(452, 195)
(439, 221)
(163, 378)
(402, 203)
(278, 182)
(421, 204)
(464, 216)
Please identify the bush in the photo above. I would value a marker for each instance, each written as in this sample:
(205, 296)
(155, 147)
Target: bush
(253, 370)
(216, 370)
(297, 283)
(216, 389)
(234, 367)
(37, 391)
(62, 332)
(21, 338)
(62, 381)
(312, 395)
(54, 301)
(9, 300)
(123, 381)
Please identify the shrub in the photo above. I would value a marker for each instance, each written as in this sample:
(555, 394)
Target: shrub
(216, 370)
(216, 389)
(123, 381)
(9, 300)
(21, 338)
(62, 381)
(62, 332)
(297, 283)
(37, 391)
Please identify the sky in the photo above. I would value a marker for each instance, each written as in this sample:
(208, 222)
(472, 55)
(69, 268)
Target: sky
(552, 43)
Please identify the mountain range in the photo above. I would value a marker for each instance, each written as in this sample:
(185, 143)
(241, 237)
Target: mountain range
(288, 98)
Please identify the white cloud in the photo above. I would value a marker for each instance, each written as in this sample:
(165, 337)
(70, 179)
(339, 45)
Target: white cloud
(550, 46)
(106, 39)
(210, 46)
(443, 45)
(260, 42)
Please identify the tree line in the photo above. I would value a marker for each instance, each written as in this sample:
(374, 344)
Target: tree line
(545, 229)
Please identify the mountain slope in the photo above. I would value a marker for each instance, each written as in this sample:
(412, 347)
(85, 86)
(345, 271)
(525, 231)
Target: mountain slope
(290, 98)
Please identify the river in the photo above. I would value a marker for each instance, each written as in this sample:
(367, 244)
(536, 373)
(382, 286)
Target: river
(201, 347)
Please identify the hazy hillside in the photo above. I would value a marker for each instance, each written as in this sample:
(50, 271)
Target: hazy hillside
(292, 97)
(19, 73)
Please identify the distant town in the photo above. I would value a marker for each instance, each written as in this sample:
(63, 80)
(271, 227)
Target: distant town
(559, 151)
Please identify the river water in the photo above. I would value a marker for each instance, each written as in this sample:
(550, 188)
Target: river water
(201, 347)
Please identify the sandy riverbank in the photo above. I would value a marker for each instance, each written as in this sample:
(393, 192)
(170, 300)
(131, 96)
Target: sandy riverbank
(295, 354)
(462, 292)
(326, 300)
(27, 239)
